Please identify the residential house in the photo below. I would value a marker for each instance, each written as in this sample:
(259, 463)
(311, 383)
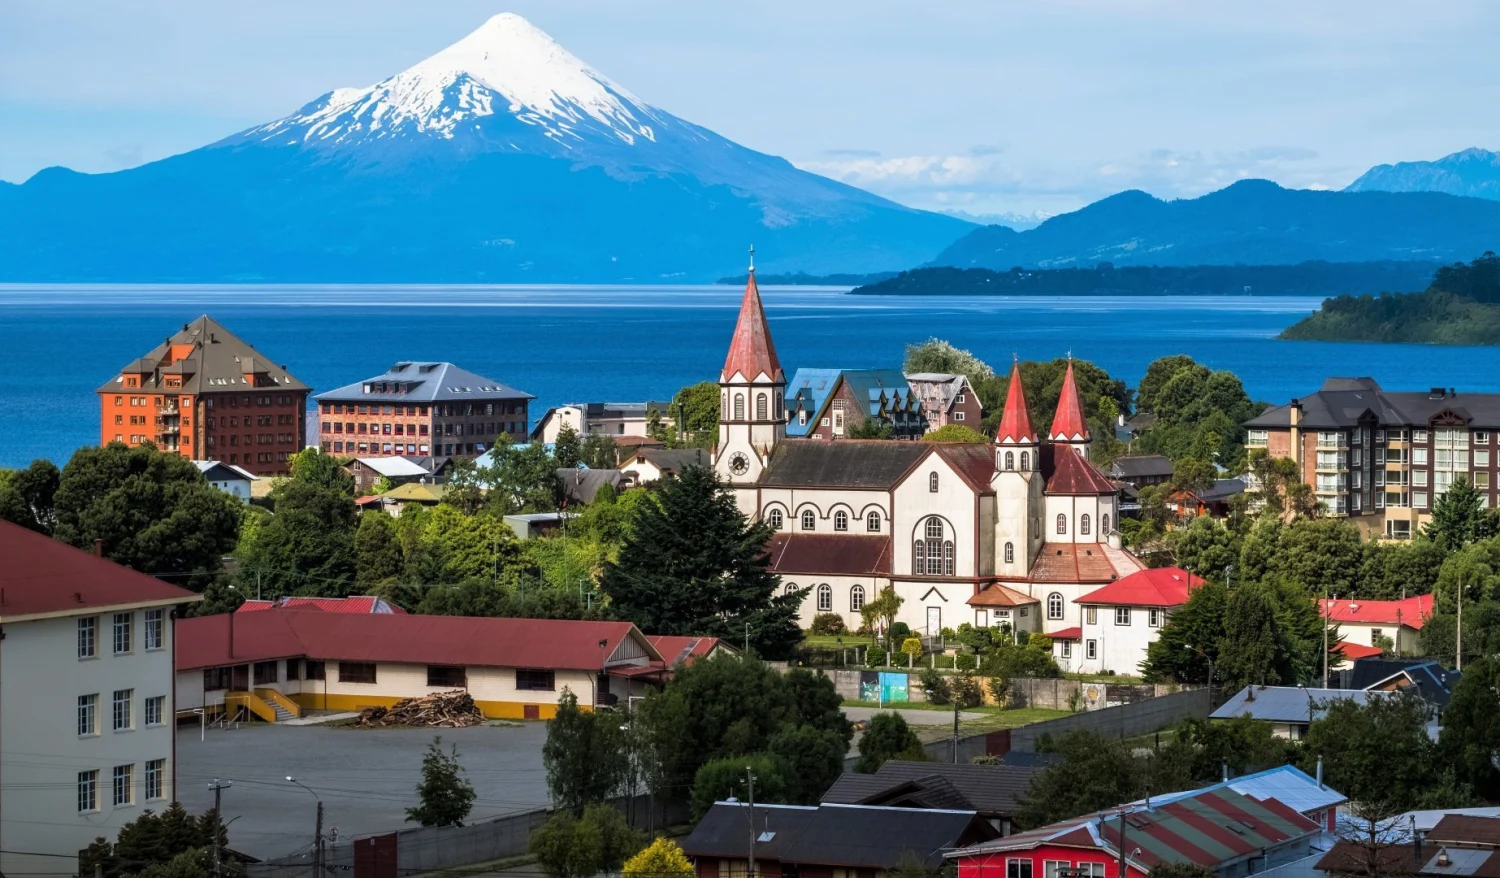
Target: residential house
(420, 409)
(275, 663)
(206, 394)
(860, 395)
(580, 484)
(369, 471)
(1128, 431)
(1227, 832)
(649, 465)
(227, 477)
(946, 399)
(806, 396)
(1456, 845)
(607, 418)
(1287, 784)
(1425, 677)
(1213, 501)
(676, 652)
(1291, 709)
(994, 792)
(418, 493)
(1120, 620)
(1383, 458)
(354, 604)
(1373, 623)
(1138, 471)
(826, 841)
(86, 712)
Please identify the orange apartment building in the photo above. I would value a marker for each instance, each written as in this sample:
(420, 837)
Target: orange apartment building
(206, 394)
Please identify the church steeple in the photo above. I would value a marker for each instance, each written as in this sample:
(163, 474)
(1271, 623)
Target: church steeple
(752, 415)
(751, 351)
(1015, 424)
(1069, 425)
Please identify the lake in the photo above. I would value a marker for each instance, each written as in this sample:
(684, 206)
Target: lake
(567, 344)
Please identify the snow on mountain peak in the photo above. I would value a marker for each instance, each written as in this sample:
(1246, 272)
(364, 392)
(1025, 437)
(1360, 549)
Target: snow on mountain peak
(507, 65)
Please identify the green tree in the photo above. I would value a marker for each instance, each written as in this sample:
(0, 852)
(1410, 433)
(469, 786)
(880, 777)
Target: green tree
(697, 406)
(520, 478)
(585, 756)
(1194, 475)
(583, 845)
(466, 486)
(693, 564)
(1459, 517)
(1471, 728)
(660, 859)
(1248, 650)
(188, 864)
(444, 796)
(872, 428)
(720, 779)
(27, 496)
(1242, 745)
(1206, 547)
(880, 613)
(377, 554)
(955, 433)
(307, 545)
(1327, 552)
(567, 453)
(153, 840)
(1394, 570)
(1158, 373)
(1377, 753)
(1278, 488)
(1093, 774)
(1189, 640)
(810, 760)
(600, 452)
(450, 547)
(936, 355)
(153, 512)
(887, 737)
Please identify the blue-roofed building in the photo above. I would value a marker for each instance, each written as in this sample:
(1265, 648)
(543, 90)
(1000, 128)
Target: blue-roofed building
(832, 403)
(420, 409)
(1287, 784)
(806, 394)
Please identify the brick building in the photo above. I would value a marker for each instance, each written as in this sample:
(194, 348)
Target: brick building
(422, 409)
(1384, 458)
(946, 399)
(206, 394)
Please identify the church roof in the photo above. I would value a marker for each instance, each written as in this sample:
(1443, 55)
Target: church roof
(1066, 473)
(751, 351)
(1015, 423)
(1082, 562)
(974, 462)
(997, 595)
(830, 554)
(843, 463)
(1069, 423)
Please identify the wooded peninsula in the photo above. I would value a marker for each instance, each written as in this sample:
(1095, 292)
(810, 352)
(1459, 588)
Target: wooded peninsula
(1461, 306)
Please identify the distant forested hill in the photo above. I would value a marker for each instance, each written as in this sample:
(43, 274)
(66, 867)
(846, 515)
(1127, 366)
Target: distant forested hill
(1307, 278)
(1461, 307)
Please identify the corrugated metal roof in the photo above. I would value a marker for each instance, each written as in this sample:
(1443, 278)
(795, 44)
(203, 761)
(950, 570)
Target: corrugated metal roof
(989, 789)
(845, 463)
(1285, 783)
(1288, 704)
(41, 575)
(1153, 587)
(423, 382)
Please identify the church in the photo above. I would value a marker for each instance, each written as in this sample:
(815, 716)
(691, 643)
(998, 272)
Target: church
(1008, 532)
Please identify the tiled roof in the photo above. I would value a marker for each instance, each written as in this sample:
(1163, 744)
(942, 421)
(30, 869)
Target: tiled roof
(41, 576)
(751, 351)
(1134, 467)
(1464, 828)
(206, 641)
(997, 595)
(1066, 473)
(974, 462)
(1015, 423)
(1412, 612)
(831, 554)
(355, 604)
(1342, 402)
(218, 361)
(1082, 562)
(1152, 587)
(845, 463)
(1069, 423)
(424, 382)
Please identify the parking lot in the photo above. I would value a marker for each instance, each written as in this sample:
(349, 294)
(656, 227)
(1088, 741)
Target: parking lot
(366, 778)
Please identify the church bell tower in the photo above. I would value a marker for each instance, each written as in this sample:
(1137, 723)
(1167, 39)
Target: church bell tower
(752, 386)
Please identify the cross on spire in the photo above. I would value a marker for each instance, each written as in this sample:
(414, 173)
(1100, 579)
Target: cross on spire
(752, 257)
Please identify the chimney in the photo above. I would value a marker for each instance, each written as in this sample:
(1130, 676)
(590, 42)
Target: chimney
(98, 548)
(1319, 777)
(1416, 842)
(1443, 859)
(1224, 767)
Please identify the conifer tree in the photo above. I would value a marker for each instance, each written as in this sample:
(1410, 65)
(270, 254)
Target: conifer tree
(1459, 517)
(445, 797)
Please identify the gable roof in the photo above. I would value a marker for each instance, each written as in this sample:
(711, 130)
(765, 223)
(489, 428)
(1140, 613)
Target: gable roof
(938, 390)
(845, 463)
(1286, 704)
(424, 382)
(1082, 562)
(1287, 784)
(874, 389)
(1152, 587)
(1065, 472)
(988, 789)
(581, 484)
(673, 460)
(1141, 465)
(831, 554)
(1015, 422)
(751, 351)
(1342, 402)
(1069, 424)
(211, 359)
(42, 577)
(207, 641)
(354, 604)
(974, 462)
(215, 470)
(808, 391)
(416, 492)
(393, 467)
(997, 595)
(1412, 612)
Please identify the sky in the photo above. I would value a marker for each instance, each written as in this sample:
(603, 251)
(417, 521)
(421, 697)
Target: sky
(984, 106)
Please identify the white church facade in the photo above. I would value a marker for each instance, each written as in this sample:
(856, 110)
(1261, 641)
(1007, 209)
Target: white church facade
(1009, 532)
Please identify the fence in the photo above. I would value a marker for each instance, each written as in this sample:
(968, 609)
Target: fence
(895, 686)
(428, 849)
(1121, 721)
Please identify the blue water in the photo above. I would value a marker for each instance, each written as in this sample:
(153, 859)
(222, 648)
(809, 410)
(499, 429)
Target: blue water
(630, 343)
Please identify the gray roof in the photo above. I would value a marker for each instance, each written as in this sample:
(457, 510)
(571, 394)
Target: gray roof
(1434, 682)
(581, 484)
(992, 790)
(674, 460)
(218, 363)
(849, 836)
(218, 470)
(1286, 704)
(1344, 402)
(842, 463)
(1138, 466)
(1223, 489)
(424, 382)
(395, 467)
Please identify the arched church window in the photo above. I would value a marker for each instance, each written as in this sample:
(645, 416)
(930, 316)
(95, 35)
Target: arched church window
(1083, 524)
(919, 558)
(1010, 553)
(841, 520)
(825, 598)
(872, 522)
(1062, 523)
(775, 519)
(739, 406)
(1104, 524)
(932, 482)
(791, 588)
(1025, 461)
(760, 407)
(808, 520)
(1054, 606)
(934, 528)
(856, 598)
(1010, 460)
(947, 557)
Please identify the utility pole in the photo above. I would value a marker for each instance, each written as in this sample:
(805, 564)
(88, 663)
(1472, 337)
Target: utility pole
(218, 789)
(1325, 636)
(747, 638)
(955, 731)
(318, 855)
(751, 775)
(1459, 628)
(1122, 873)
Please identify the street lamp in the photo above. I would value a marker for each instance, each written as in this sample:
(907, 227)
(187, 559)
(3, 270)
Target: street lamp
(317, 827)
(1210, 660)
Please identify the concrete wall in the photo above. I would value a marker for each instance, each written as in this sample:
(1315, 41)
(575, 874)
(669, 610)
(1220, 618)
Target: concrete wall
(1123, 721)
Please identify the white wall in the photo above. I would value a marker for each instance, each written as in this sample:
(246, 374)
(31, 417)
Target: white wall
(42, 751)
(1120, 648)
(955, 502)
(1364, 634)
(841, 589)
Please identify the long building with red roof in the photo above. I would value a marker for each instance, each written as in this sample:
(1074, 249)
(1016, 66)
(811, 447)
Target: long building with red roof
(1009, 532)
(1121, 620)
(1371, 623)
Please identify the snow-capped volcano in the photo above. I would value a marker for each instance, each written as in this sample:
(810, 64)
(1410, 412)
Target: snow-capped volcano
(507, 68)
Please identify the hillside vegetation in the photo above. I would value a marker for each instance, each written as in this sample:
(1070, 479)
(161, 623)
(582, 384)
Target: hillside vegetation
(1460, 307)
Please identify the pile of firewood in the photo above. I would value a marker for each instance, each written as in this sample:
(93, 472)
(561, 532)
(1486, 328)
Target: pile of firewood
(443, 710)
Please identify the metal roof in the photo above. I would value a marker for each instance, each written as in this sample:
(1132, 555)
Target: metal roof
(217, 362)
(1286, 704)
(43, 576)
(1343, 402)
(423, 382)
(808, 391)
(988, 789)
(1286, 784)
(394, 467)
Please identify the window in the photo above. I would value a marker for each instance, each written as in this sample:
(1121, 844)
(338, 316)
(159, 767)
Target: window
(872, 522)
(88, 791)
(947, 557)
(265, 673)
(448, 676)
(215, 679)
(1482, 480)
(1091, 649)
(1083, 524)
(1010, 460)
(802, 417)
(156, 786)
(1482, 458)
(1054, 606)
(356, 672)
(1375, 635)
(122, 720)
(1066, 648)
(1256, 437)
(775, 518)
(1018, 869)
(932, 482)
(918, 558)
(122, 633)
(1153, 617)
(958, 416)
(535, 680)
(1010, 553)
(1062, 523)
(315, 670)
(958, 399)
(1091, 615)
(761, 408)
(156, 707)
(1104, 524)
(825, 598)
(739, 406)
(88, 631)
(1481, 437)
(1122, 615)
(155, 629)
(809, 521)
(88, 715)
(856, 598)
(124, 787)
(841, 520)
(1053, 868)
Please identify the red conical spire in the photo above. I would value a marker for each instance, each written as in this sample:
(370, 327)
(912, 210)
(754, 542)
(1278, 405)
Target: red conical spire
(751, 351)
(1015, 424)
(1069, 425)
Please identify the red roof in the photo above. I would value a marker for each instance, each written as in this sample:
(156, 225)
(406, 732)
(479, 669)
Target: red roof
(1074, 633)
(831, 554)
(1064, 471)
(1155, 587)
(1082, 562)
(1069, 423)
(973, 462)
(1015, 424)
(41, 576)
(1412, 612)
(1356, 651)
(209, 641)
(997, 595)
(751, 351)
(353, 604)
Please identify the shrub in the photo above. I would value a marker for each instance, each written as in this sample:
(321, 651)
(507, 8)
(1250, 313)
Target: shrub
(900, 631)
(965, 661)
(719, 779)
(936, 687)
(662, 858)
(828, 625)
(912, 646)
(875, 657)
(888, 737)
(966, 691)
(999, 690)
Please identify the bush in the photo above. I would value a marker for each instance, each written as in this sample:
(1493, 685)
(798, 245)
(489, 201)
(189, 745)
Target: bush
(721, 778)
(900, 631)
(662, 858)
(999, 690)
(888, 737)
(965, 661)
(966, 691)
(828, 625)
(875, 657)
(576, 847)
(936, 687)
(911, 646)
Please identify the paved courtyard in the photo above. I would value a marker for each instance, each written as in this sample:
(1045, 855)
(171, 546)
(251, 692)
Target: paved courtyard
(365, 777)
